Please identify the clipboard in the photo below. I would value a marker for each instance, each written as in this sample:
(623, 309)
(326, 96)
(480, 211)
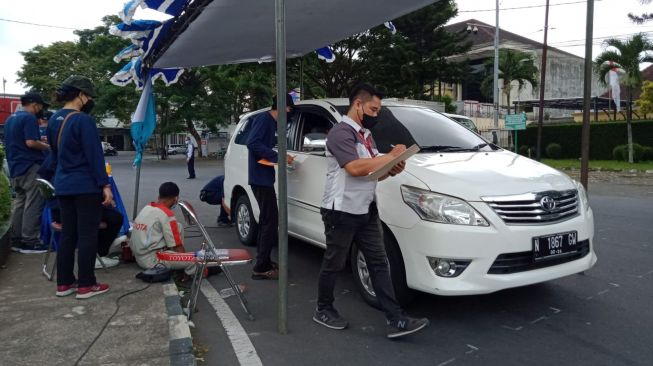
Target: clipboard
(375, 175)
(266, 162)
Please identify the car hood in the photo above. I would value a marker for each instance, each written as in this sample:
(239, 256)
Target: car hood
(471, 176)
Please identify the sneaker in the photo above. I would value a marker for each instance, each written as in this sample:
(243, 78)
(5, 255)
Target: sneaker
(90, 291)
(108, 262)
(116, 245)
(330, 319)
(17, 247)
(33, 249)
(65, 290)
(405, 325)
(272, 274)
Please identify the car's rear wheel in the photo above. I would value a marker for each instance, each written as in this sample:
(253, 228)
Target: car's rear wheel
(246, 226)
(363, 279)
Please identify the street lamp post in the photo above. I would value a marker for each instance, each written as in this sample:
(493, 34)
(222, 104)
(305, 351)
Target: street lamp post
(495, 92)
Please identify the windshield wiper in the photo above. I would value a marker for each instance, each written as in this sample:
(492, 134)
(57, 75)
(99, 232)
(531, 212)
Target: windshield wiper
(447, 148)
(437, 148)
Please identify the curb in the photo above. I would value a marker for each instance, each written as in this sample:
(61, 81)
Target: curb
(181, 341)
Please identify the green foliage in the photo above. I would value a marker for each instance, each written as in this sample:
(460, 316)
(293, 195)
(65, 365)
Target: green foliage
(554, 150)
(603, 137)
(406, 64)
(513, 66)
(647, 153)
(620, 152)
(629, 54)
(645, 101)
(449, 105)
(5, 198)
(523, 150)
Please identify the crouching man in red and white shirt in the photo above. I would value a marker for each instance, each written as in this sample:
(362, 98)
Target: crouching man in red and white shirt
(156, 229)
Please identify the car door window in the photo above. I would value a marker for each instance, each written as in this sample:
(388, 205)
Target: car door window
(314, 129)
(243, 133)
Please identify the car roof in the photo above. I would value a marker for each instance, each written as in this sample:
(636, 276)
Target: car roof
(456, 115)
(338, 102)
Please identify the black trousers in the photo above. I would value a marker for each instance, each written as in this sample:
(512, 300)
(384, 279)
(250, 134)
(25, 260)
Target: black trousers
(268, 226)
(191, 166)
(80, 218)
(111, 217)
(341, 229)
(106, 236)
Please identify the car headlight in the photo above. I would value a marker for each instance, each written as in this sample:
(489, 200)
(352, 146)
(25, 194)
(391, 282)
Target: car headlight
(436, 207)
(582, 194)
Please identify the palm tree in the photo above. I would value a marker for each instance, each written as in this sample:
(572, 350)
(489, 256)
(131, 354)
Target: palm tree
(513, 66)
(629, 54)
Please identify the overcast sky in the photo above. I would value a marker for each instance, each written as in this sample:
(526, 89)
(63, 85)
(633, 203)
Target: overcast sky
(568, 19)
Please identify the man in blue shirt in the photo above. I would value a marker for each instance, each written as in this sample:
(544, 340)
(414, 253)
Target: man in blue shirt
(190, 158)
(262, 138)
(24, 156)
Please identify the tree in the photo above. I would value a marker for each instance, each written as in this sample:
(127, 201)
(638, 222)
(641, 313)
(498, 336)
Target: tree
(46, 67)
(513, 66)
(642, 18)
(645, 101)
(630, 54)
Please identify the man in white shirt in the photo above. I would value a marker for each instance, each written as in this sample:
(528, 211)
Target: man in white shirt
(190, 158)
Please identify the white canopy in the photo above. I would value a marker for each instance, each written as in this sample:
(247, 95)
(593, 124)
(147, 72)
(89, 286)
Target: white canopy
(238, 31)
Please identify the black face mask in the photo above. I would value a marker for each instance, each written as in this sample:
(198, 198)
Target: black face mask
(369, 121)
(88, 107)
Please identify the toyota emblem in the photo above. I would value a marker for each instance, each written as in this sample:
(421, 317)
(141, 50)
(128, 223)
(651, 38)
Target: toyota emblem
(548, 203)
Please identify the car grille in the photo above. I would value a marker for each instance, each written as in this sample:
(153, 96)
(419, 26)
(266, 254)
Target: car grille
(524, 261)
(535, 208)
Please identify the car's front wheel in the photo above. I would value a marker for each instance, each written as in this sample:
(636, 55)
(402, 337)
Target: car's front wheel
(363, 279)
(246, 226)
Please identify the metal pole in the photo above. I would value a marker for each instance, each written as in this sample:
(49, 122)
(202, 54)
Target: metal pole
(495, 93)
(540, 116)
(280, 30)
(587, 90)
(138, 183)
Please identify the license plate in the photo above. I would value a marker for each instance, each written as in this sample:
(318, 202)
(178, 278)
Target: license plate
(555, 245)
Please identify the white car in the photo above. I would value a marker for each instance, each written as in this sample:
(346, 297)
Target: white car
(465, 217)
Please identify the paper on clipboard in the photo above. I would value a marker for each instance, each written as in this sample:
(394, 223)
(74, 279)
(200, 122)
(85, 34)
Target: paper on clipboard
(266, 162)
(414, 149)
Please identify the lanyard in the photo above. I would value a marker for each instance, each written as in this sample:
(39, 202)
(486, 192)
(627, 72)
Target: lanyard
(367, 142)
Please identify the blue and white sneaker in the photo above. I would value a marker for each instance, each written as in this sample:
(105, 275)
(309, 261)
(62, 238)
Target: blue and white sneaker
(33, 249)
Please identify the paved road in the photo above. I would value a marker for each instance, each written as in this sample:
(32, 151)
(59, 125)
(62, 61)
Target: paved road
(603, 317)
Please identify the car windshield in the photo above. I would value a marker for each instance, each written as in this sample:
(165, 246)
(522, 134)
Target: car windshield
(430, 130)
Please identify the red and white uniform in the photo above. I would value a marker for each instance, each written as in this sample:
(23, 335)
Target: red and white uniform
(155, 229)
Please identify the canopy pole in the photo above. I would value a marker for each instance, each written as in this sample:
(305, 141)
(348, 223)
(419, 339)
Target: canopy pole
(280, 30)
(136, 189)
(587, 90)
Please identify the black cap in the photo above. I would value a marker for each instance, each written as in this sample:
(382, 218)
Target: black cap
(289, 101)
(33, 97)
(81, 83)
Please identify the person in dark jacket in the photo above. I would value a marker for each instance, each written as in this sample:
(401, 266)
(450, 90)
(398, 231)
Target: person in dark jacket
(260, 142)
(24, 156)
(213, 194)
(81, 185)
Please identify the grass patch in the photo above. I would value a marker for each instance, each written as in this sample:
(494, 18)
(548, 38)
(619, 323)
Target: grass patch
(598, 164)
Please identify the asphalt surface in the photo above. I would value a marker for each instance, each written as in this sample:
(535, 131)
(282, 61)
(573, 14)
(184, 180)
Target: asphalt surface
(602, 317)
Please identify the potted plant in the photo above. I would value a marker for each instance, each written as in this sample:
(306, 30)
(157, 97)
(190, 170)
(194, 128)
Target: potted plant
(5, 212)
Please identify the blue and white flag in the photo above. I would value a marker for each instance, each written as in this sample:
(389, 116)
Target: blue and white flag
(143, 121)
(127, 53)
(391, 27)
(135, 28)
(326, 54)
(132, 71)
(171, 7)
(168, 76)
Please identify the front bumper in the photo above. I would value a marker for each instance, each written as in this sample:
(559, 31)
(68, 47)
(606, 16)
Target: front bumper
(482, 246)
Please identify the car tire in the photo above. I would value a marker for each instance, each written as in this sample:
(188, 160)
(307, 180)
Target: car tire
(362, 279)
(246, 226)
